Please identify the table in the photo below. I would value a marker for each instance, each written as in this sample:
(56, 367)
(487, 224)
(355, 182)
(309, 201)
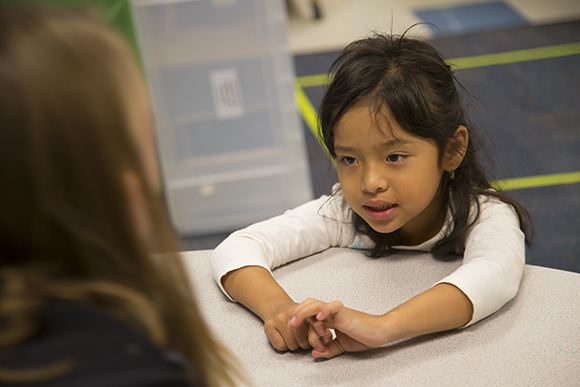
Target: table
(534, 340)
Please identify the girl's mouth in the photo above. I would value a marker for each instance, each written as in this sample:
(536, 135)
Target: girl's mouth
(383, 212)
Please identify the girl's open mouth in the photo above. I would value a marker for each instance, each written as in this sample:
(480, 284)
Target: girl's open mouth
(381, 212)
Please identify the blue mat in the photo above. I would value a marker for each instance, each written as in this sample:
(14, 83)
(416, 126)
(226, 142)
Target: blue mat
(471, 18)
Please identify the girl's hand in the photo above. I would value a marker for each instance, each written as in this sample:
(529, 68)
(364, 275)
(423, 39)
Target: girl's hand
(254, 287)
(282, 337)
(355, 331)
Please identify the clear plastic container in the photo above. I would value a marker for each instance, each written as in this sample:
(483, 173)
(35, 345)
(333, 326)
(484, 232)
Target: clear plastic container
(230, 140)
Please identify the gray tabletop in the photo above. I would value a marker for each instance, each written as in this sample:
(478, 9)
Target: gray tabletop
(534, 340)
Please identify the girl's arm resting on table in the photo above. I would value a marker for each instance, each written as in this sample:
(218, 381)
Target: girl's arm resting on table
(241, 264)
(254, 287)
(493, 265)
(440, 308)
(493, 262)
(295, 234)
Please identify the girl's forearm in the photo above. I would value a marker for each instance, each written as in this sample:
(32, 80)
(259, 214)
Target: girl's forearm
(443, 307)
(255, 288)
(438, 309)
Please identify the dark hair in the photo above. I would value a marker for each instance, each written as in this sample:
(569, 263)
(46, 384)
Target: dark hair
(409, 81)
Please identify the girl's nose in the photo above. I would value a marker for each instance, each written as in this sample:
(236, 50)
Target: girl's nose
(374, 180)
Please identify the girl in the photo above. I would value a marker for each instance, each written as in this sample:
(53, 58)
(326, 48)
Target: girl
(409, 179)
(83, 300)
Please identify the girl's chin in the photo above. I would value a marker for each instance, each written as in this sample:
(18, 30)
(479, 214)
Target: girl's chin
(383, 230)
(380, 227)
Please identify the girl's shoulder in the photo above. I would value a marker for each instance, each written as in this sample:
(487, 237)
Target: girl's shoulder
(335, 209)
(336, 217)
(331, 207)
(491, 208)
(334, 206)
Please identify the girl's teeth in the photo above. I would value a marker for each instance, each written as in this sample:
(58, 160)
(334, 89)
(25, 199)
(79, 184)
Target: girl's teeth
(381, 208)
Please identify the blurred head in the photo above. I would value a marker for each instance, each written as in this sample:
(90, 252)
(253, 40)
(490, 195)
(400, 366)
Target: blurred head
(79, 219)
(75, 121)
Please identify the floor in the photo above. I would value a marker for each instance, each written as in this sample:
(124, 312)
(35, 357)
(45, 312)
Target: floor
(528, 106)
(343, 21)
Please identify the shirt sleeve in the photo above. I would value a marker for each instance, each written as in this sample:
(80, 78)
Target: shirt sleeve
(305, 230)
(494, 260)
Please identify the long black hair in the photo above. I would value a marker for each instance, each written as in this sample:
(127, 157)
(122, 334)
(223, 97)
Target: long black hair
(410, 81)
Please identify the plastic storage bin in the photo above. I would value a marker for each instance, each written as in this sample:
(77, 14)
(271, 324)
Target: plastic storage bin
(230, 141)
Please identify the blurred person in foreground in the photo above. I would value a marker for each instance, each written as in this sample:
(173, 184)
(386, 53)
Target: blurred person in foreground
(92, 290)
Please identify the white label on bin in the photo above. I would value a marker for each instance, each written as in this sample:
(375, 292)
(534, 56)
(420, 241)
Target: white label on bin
(227, 94)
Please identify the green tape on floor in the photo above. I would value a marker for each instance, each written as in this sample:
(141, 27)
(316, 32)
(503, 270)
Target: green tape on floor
(537, 181)
(314, 80)
(477, 61)
(309, 115)
(515, 56)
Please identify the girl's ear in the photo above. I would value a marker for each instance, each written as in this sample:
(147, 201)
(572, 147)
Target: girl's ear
(455, 149)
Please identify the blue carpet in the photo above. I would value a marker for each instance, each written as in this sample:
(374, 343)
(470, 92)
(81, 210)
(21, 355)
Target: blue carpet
(471, 18)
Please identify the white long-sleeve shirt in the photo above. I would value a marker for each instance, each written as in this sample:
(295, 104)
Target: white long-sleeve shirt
(493, 261)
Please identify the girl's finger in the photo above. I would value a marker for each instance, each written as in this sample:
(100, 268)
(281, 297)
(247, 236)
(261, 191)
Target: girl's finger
(331, 349)
(301, 336)
(314, 339)
(289, 339)
(275, 338)
(328, 309)
(294, 322)
(308, 308)
(319, 326)
(328, 337)
(281, 337)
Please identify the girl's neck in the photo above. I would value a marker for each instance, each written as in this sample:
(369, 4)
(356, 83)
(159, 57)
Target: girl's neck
(432, 220)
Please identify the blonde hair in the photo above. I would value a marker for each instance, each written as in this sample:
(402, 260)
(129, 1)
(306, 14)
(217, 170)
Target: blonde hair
(67, 132)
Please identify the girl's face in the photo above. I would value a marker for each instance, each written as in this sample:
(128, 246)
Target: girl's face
(389, 178)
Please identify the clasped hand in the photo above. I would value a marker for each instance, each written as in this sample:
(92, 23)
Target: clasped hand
(355, 331)
(283, 338)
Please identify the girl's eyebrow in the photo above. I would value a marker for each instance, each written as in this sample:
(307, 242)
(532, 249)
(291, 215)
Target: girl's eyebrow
(387, 144)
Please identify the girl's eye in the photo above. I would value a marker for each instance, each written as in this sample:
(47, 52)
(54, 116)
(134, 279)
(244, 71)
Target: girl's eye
(395, 158)
(348, 160)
